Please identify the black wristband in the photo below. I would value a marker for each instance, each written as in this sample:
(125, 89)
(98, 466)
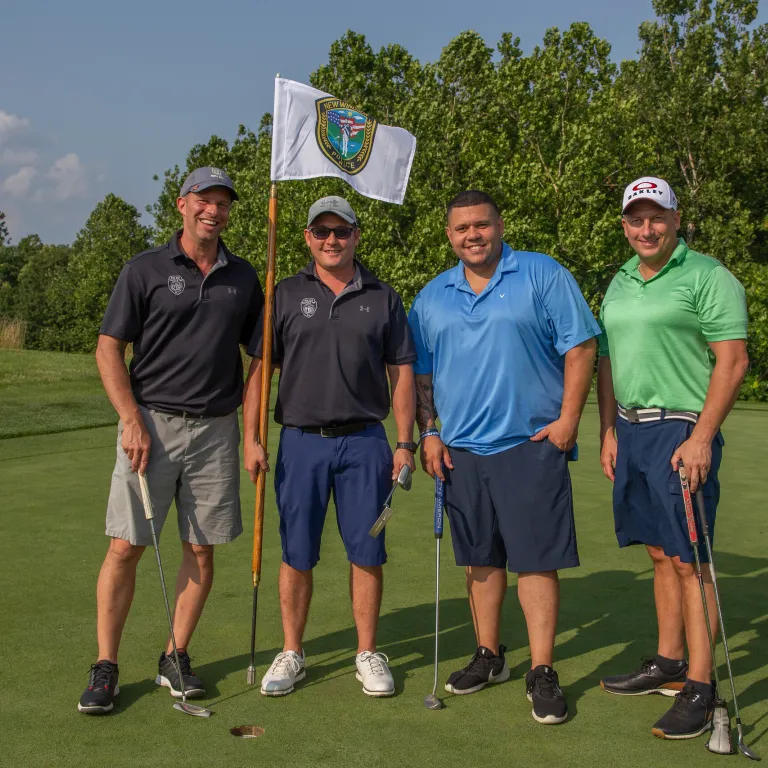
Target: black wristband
(408, 446)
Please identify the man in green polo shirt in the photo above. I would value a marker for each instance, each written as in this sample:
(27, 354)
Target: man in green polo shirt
(672, 358)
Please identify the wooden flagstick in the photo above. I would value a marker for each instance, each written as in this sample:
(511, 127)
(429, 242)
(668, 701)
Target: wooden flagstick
(266, 381)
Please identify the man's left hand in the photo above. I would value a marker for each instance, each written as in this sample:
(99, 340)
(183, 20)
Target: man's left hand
(561, 433)
(402, 457)
(696, 456)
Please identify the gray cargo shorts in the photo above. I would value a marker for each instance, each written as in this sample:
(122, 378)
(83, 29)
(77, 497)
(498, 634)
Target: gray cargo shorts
(192, 461)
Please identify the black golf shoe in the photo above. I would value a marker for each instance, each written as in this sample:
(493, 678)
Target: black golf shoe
(689, 716)
(483, 669)
(98, 697)
(168, 676)
(648, 679)
(543, 689)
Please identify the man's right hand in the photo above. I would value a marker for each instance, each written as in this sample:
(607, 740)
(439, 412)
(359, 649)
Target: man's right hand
(608, 451)
(256, 458)
(434, 455)
(136, 443)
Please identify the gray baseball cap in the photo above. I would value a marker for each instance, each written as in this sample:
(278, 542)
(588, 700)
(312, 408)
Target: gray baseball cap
(332, 204)
(204, 178)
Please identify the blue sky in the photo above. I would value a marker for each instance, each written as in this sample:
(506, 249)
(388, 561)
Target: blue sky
(96, 97)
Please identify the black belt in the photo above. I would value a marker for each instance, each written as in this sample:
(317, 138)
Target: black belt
(335, 431)
(183, 414)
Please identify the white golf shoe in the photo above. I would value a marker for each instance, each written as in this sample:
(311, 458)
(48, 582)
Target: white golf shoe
(374, 674)
(286, 669)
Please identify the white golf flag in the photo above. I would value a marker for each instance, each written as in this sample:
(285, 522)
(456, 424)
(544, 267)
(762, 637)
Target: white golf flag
(315, 134)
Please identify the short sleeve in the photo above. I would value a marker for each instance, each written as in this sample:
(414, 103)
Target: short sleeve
(722, 306)
(398, 345)
(602, 342)
(255, 346)
(423, 364)
(124, 316)
(254, 313)
(571, 317)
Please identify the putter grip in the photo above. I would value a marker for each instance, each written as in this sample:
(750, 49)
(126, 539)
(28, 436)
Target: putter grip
(690, 519)
(439, 504)
(145, 497)
(702, 512)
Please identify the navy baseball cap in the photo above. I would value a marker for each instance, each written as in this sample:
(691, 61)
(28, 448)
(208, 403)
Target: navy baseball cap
(204, 178)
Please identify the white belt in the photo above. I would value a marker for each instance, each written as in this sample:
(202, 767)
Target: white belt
(641, 415)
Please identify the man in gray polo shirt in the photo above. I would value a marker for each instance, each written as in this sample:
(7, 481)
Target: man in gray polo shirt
(186, 307)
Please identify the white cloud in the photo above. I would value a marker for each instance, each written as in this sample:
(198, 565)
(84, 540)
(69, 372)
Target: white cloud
(69, 177)
(22, 156)
(19, 183)
(11, 125)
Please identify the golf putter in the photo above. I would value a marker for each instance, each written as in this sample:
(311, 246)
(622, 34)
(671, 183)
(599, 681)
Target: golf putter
(719, 741)
(404, 481)
(431, 701)
(743, 748)
(182, 706)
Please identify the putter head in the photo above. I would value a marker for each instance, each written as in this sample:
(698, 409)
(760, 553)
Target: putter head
(192, 709)
(250, 676)
(744, 749)
(432, 702)
(381, 521)
(404, 478)
(719, 741)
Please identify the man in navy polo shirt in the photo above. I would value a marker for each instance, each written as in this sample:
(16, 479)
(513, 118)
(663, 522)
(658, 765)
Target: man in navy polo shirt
(341, 336)
(506, 347)
(186, 306)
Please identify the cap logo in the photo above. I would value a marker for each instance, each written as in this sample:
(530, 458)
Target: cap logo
(176, 285)
(217, 173)
(308, 307)
(644, 185)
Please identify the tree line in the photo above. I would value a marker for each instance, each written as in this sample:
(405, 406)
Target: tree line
(554, 136)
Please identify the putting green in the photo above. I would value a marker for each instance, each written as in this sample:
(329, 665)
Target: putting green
(54, 495)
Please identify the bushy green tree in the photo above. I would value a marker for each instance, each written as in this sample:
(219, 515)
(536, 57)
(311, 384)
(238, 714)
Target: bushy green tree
(38, 295)
(112, 235)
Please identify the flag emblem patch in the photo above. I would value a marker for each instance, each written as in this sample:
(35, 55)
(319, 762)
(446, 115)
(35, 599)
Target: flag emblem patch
(344, 135)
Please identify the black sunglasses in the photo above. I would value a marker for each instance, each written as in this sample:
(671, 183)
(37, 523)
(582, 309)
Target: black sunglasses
(323, 233)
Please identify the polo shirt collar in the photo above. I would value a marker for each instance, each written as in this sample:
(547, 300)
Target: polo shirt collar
(507, 263)
(361, 277)
(223, 254)
(677, 257)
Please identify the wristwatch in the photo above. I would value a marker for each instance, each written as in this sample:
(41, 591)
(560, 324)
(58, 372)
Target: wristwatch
(408, 446)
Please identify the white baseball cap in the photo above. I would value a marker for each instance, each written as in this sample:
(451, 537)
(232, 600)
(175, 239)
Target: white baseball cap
(650, 188)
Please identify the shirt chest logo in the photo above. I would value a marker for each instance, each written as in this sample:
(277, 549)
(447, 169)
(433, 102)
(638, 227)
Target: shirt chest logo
(176, 285)
(308, 307)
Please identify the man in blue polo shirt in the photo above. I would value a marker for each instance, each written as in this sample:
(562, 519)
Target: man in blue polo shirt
(505, 345)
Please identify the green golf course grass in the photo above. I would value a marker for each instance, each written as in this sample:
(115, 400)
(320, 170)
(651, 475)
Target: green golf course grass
(54, 493)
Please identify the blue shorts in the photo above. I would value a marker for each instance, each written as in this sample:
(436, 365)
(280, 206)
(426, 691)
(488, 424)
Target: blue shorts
(647, 500)
(512, 509)
(356, 469)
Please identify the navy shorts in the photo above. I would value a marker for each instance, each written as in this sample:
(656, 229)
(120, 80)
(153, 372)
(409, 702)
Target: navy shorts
(513, 508)
(647, 499)
(356, 469)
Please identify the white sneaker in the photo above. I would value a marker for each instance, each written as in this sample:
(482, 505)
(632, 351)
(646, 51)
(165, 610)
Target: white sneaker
(286, 669)
(374, 674)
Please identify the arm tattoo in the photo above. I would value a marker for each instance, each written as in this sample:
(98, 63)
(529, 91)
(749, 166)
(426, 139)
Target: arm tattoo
(426, 415)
